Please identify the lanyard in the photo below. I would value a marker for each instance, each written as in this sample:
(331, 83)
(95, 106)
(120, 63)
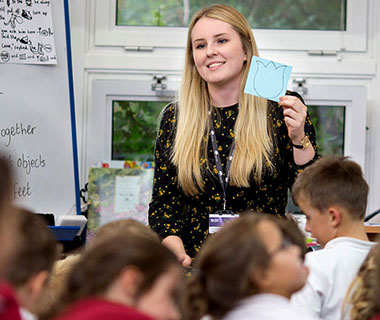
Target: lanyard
(218, 162)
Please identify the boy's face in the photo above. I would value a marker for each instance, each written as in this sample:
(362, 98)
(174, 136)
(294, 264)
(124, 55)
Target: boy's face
(317, 223)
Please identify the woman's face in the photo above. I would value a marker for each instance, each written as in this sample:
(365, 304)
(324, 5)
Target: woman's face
(217, 52)
(161, 300)
(285, 259)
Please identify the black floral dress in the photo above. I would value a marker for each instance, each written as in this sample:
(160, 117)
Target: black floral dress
(171, 212)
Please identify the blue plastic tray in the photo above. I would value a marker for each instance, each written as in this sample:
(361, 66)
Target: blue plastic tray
(64, 233)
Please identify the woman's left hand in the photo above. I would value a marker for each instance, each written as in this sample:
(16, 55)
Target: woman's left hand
(294, 116)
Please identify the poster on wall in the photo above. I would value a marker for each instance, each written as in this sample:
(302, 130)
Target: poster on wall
(118, 193)
(27, 33)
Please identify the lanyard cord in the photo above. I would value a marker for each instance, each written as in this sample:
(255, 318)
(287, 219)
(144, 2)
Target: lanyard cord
(218, 162)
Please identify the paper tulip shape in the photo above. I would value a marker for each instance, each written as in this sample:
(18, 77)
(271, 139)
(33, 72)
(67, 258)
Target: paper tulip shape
(272, 73)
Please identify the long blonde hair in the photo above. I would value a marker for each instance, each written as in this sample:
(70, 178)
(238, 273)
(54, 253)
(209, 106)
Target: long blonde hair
(360, 300)
(253, 142)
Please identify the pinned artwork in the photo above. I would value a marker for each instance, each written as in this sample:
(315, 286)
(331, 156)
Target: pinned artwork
(267, 79)
(118, 193)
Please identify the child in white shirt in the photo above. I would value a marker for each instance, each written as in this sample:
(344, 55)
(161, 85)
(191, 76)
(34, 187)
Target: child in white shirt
(332, 193)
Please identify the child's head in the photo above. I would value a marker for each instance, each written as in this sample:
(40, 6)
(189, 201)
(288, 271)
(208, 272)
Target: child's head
(130, 269)
(56, 285)
(6, 179)
(332, 193)
(247, 256)
(8, 220)
(33, 259)
(362, 296)
(127, 226)
(376, 300)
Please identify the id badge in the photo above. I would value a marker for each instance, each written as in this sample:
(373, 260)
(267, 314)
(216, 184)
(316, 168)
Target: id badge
(219, 218)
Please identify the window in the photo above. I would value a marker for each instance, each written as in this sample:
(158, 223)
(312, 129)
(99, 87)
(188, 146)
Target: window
(118, 105)
(339, 115)
(346, 32)
(134, 129)
(329, 124)
(135, 123)
(123, 119)
(268, 14)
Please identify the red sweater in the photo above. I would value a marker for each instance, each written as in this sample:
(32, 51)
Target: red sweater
(8, 304)
(100, 309)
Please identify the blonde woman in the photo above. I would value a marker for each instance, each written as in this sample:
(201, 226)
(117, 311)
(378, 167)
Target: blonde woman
(259, 145)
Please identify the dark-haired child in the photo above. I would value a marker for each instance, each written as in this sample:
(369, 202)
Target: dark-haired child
(248, 270)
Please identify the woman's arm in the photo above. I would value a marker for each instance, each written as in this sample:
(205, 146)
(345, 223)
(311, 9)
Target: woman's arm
(175, 244)
(295, 114)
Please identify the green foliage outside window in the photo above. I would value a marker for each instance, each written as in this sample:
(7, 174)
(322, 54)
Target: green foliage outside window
(329, 124)
(135, 125)
(134, 129)
(261, 14)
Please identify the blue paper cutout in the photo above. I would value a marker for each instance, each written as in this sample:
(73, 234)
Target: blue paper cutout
(267, 79)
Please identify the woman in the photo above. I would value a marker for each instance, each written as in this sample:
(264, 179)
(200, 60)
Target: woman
(261, 144)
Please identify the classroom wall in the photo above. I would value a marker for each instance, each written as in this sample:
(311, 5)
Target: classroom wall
(373, 145)
(91, 62)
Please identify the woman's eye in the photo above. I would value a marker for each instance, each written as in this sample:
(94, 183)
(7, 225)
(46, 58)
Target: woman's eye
(222, 40)
(199, 46)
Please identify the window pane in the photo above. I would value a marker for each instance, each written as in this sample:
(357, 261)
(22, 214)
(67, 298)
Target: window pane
(135, 124)
(261, 14)
(329, 124)
(134, 129)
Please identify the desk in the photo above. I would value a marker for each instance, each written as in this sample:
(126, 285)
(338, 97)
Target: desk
(372, 231)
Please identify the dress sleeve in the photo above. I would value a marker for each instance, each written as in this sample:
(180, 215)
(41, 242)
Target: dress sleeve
(284, 144)
(166, 206)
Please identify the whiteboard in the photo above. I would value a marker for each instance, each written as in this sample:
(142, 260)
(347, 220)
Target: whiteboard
(37, 126)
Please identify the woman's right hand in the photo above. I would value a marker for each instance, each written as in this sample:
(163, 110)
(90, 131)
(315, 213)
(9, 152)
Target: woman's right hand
(175, 244)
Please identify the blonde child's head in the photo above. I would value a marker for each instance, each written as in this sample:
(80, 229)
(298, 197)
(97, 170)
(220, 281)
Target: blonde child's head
(56, 285)
(362, 297)
(124, 226)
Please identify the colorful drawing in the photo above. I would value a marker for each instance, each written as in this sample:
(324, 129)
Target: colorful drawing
(118, 193)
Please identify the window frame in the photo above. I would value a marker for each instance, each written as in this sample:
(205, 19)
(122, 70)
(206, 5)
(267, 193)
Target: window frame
(351, 40)
(99, 134)
(354, 98)
(100, 116)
